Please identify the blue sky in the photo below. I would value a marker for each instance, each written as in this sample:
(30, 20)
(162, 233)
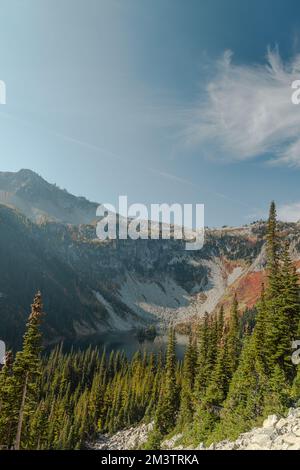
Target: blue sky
(161, 100)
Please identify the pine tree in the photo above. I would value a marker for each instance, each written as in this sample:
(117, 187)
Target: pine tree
(261, 383)
(233, 339)
(220, 326)
(259, 333)
(188, 377)
(245, 401)
(6, 401)
(27, 371)
(272, 250)
(168, 405)
(278, 398)
(290, 309)
(208, 410)
(295, 390)
(283, 313)
(205, 358)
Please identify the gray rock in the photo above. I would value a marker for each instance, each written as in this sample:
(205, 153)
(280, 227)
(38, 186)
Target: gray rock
(294, 447)
(294, 413)
(275, 434)
(201, 446)
(278, 440)
(270, 421)
(254, 446)
(170, 443)
(281, 423)
(291, 439)
(296, 430)
(262, 440)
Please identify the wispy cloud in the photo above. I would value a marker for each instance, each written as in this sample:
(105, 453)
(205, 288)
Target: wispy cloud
(289, 212)
(247, 111)
(286, 212)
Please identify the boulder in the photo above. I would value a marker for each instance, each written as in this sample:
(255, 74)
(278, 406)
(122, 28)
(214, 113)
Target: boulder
(281, 423)
(291, 439)
(270, 421)
(275, 434)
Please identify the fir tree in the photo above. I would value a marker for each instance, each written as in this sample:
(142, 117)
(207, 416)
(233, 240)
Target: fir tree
(272, 250)
(188, 376)
(207, 347)
(245, 401)
(233, 339)
(27, 371)
(168, 405)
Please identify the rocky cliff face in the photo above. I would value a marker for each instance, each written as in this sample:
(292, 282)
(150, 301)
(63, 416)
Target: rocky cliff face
(94, 286)
(90, 286)
(277, 433)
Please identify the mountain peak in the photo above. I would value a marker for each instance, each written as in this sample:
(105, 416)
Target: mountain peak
(25, 172)
(39, 200)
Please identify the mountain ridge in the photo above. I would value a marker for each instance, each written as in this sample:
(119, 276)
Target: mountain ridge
(40, 200)
(92, 286)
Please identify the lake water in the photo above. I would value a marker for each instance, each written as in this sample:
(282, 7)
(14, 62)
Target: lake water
(128, 342)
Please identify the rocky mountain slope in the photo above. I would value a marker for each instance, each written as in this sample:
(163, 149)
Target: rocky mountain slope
(93, 286)
(40, 200)
(277, 433)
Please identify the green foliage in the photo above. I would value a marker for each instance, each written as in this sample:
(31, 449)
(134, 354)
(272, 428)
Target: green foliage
(72, 397)
(187, 384)
(168, 404)
(230, 379)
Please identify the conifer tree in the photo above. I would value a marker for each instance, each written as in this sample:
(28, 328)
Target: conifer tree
(233, 341)
(259, 333)
(261, 383)
(208, 410)
(188, 376)
(168, 405)
(295, 389)
(272, 250)
(283, 313)
(203, 367)
(245, 400)
(27, 371)
(6, 401)
(220, 325)
(278, 396)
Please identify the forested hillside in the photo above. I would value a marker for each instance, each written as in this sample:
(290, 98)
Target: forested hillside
(233, 375)
(91, 286)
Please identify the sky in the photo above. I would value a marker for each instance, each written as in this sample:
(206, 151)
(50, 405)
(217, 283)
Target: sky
(160, 100)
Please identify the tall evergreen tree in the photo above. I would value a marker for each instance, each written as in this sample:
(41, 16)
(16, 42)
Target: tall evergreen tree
(209, 407)
(283, 314)
(6, 401)
(207, 347)
(27, 371)
(168, 405)
(188, 377)
(272, 250)
(233, 338)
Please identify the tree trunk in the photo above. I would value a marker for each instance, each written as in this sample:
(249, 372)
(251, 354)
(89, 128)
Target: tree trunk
(21, 415)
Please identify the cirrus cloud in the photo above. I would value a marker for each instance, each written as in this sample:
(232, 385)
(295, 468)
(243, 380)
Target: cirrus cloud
(247, 111)
(289, 212)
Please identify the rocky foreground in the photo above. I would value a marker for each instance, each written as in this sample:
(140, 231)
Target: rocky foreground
(127, 439)
(277, 433)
